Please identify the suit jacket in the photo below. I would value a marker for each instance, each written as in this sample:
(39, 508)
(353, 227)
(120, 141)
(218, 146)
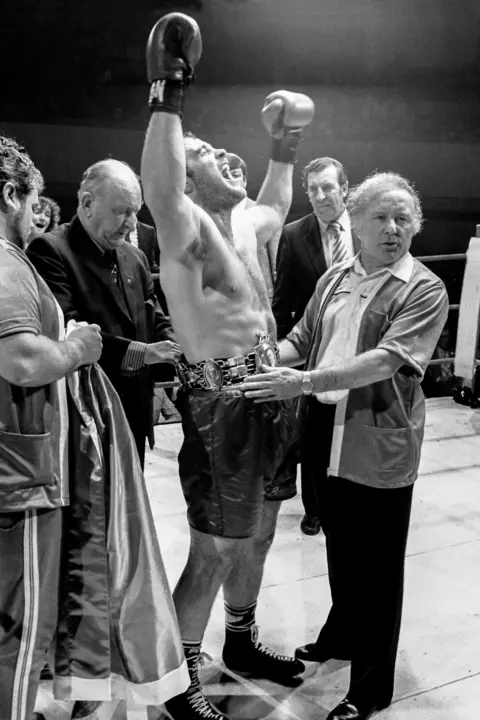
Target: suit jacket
(300, 264)
(148, 244)
(81, 279)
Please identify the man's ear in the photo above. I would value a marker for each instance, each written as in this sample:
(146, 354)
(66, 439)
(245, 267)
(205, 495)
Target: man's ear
(86, 203)
(10, 197)
(189, 186)
(345, 190)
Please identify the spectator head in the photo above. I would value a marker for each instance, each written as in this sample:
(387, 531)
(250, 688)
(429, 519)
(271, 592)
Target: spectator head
(20, 184)
(46, 215)
(109, 199)
(326, 184)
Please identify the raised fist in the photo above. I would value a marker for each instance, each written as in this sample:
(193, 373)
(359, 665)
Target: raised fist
(284, 114)
(284, 110)
(174, 48)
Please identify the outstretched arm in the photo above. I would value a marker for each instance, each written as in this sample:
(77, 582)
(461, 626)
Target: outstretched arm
(174, 47)
(284, 115)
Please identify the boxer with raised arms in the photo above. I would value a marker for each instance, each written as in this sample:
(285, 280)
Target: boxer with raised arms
(236, 463)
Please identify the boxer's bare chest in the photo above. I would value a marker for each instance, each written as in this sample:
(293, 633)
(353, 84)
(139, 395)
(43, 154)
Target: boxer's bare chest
(231, 268)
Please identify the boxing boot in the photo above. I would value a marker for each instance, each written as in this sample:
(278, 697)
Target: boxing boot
(245, 655)
(192, 704)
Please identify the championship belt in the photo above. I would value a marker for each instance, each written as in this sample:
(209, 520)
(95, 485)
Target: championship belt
(213, 374)
(266, 352)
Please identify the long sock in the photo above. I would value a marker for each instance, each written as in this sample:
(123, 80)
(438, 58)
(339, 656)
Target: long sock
(239, 622)
(192, 656)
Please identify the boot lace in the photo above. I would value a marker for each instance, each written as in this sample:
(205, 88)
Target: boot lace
(266, 651)
(199, 703)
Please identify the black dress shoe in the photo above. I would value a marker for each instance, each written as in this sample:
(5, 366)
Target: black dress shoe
(310, 653)
(348, 711)
(310, 525)
(38, 716)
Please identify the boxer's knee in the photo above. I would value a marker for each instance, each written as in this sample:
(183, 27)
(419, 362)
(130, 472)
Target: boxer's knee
(210, 551)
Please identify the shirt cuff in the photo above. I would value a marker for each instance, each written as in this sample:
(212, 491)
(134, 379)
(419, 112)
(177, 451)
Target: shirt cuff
(134, 358)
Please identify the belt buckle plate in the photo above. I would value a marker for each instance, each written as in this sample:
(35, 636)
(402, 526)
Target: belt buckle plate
(212, 375)
(265, 354)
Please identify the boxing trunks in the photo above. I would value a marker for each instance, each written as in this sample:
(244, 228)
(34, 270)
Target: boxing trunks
(236, 454)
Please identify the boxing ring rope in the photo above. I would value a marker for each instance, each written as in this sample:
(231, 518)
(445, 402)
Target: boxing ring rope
(465, 360)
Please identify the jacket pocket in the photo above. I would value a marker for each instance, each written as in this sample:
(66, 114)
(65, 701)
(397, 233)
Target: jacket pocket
(381, 455)
(26, 461)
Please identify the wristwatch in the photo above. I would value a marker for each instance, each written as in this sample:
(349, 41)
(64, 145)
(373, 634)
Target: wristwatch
(307, 385)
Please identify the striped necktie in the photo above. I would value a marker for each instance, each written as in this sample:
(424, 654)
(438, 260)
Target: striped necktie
(339, 251)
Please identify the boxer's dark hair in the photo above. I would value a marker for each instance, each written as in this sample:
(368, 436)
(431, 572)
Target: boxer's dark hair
(44, 202)
(320, 164)
(17, 167)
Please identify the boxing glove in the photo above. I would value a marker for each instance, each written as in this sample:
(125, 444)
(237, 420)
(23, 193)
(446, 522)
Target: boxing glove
(174, 48)
(285, 114)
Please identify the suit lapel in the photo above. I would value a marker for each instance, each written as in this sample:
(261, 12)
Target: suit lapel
(313, 243)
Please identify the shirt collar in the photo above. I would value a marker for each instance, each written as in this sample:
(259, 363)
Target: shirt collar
(343, 220)
(402, 269)
(9, 244)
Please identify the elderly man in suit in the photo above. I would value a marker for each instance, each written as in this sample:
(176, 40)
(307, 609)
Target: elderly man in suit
(98, 277)
(307, 248)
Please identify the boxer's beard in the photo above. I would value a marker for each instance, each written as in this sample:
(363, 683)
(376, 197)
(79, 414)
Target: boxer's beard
(219, 197)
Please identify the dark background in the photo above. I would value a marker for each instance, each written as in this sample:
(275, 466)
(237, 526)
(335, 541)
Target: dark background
(396, 85)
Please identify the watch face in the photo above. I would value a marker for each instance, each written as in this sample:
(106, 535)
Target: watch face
(307, 386)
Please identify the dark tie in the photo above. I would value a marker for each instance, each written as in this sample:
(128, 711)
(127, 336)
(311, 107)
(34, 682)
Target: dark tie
(110, 257)
(339, 251)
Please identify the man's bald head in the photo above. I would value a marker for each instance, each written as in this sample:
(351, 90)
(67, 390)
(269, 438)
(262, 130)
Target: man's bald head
(107, 172)
(109, 199)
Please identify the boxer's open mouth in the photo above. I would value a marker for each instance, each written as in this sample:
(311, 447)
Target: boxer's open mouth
(225, 171)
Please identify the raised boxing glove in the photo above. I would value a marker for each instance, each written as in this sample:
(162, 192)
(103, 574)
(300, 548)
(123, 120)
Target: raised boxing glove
(174, 47)
(285, 114)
